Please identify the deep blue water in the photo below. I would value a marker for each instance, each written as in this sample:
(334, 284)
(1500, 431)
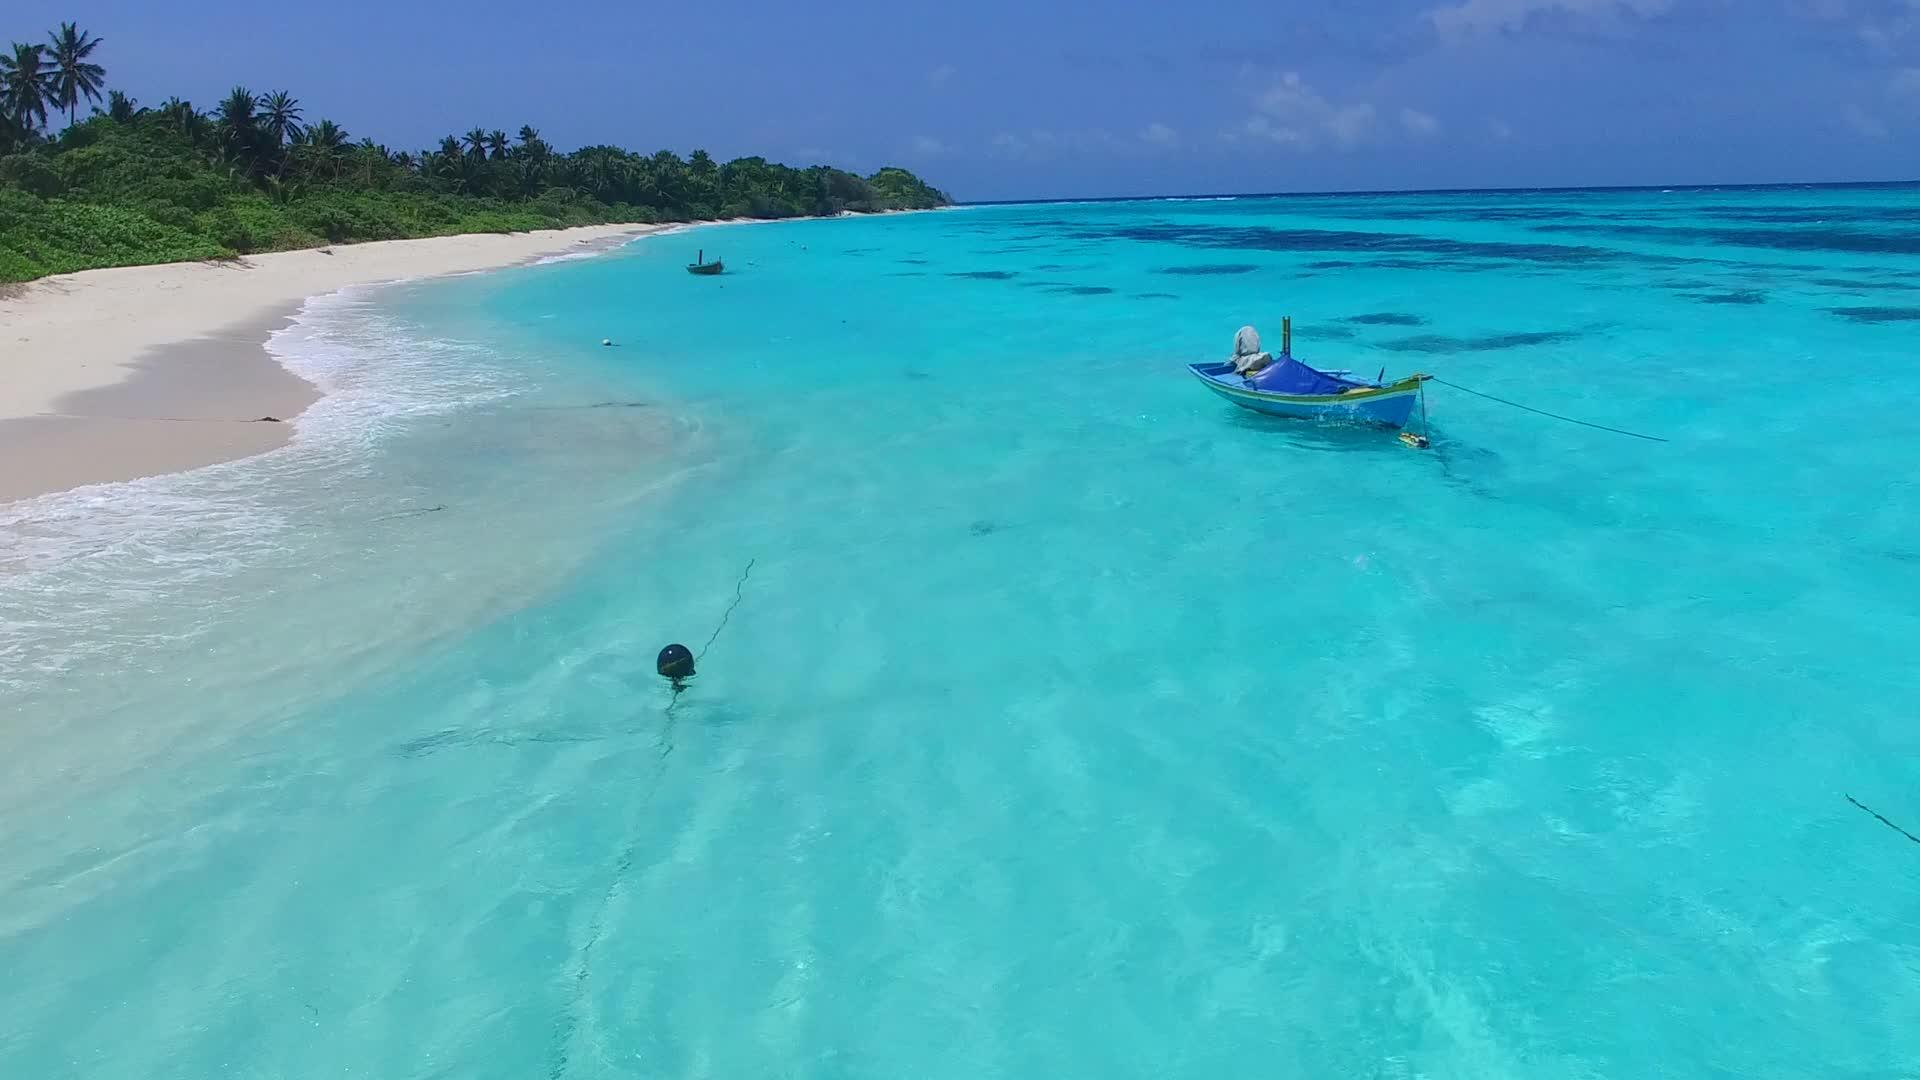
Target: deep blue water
(1070, 722)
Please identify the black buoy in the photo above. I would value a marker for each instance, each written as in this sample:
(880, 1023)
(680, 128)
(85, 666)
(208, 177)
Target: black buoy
(676, 665)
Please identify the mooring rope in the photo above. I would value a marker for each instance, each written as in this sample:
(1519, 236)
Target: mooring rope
(738, 589)
(1543, 412)
(410, 513)
(1883, 820)
(596, 927)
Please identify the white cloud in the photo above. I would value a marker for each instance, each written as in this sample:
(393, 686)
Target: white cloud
(1419, 123)
(938, 76)
(1349, 123)
(1043, 143)
(1039, 141)
(1881, 25)
(1863, 123)
(1260, 127)
(1471, 17)
(1091, 139)
(927, 146)
(1292, 113)
(1159, 134)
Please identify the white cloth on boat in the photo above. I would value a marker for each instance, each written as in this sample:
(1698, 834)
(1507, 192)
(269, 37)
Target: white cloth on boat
(1247, 357)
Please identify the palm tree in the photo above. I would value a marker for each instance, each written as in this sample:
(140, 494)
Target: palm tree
(24, 85)
(497, 145)
(369, 152)
(238, 124)
(454, 170)
(705, 178)
(531, 144)
(120, 107)
(185, 118)
(12, 134)
(73, 77)
(281, 190)
(606, 171)
(280, 117)
(477, 143)
(318, 148)
(567, 173)
(326, 136)
(669, 179)
(529, 175)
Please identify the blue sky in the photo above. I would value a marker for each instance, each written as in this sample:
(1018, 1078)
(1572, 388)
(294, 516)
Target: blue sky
(998, 99)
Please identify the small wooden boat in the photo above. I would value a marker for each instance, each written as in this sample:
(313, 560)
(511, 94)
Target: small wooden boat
(1390, 404)
(1290, 388)
(701, 266)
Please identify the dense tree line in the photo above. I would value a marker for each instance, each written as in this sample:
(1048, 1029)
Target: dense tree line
(129, 184)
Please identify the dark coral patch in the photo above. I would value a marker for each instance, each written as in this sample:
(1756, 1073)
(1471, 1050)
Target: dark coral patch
(1387, 318)
(1879, 314)
(1208, 269)
(1440, 343)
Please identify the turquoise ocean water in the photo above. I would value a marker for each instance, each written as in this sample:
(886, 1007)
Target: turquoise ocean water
(1070, 722)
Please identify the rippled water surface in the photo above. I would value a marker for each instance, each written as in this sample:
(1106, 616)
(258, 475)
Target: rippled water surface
(1070, 722)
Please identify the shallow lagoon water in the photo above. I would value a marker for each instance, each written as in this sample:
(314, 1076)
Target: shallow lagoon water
(1071, 722)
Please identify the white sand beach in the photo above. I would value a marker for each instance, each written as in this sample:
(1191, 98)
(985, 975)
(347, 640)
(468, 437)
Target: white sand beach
(110, 375)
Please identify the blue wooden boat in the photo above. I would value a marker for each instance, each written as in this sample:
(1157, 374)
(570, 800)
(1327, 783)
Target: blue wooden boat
(1287, 387)
(1387, 404)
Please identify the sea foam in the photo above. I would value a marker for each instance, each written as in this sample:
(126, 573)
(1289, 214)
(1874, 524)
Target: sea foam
(85, 572)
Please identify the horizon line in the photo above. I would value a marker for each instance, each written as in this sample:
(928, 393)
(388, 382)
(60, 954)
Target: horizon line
(1528, 190)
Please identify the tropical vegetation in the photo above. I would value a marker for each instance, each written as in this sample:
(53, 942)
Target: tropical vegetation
(127, 184)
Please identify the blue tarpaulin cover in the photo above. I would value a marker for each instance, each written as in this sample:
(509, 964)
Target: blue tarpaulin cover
(1290, 376)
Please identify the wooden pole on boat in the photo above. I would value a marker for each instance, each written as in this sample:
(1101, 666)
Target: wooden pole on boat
(1420, 441)
(1286, 335)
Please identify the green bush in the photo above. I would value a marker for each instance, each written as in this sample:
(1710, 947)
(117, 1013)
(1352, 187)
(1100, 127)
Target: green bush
(17, 208)
(64, 236)
(166, 213)
(31, 173)
(170, 184)
(15, 266)
(85, 133)
(230, 231)
(329, 221)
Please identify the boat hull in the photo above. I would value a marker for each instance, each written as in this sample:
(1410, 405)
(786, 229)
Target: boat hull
(1387, 405)
(706, 269)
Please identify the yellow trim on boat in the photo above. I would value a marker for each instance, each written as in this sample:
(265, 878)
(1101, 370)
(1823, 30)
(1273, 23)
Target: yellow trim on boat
(1408, 385)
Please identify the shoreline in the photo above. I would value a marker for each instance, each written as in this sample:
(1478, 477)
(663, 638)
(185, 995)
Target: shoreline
(129, 372)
